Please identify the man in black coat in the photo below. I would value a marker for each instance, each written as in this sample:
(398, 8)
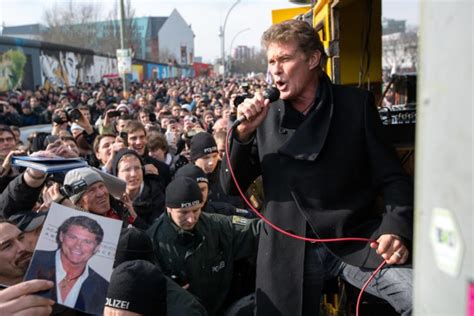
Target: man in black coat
(323, 161)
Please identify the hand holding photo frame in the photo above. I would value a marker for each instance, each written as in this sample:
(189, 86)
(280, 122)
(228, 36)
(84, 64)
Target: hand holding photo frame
(76, 250)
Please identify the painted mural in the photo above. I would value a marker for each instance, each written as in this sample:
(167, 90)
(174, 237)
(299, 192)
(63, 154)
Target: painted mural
(65, 68)
(26, 64)
(12, 69)
(137, 73)
(163, 71)
(102, 67)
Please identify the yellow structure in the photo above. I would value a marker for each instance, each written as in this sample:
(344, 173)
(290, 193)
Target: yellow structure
(351, 31)
(281, 15)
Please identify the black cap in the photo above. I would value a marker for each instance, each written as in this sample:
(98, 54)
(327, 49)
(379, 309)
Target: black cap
(202, 144)
(183, 192)
(119, 155)
(134, 244)
(192, 171)
(137, 286)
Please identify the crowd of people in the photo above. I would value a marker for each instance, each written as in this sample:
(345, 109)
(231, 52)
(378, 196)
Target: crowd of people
(159, 132)
(189, 244)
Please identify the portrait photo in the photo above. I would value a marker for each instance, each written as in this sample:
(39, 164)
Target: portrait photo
(76, 251)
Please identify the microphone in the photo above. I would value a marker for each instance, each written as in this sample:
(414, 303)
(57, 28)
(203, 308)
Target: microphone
(272, 94)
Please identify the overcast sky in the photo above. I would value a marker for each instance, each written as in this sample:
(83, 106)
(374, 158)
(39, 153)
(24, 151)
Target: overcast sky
(205, 17)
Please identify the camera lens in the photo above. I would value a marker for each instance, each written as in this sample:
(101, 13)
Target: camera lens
(56, 118)
(73, 115)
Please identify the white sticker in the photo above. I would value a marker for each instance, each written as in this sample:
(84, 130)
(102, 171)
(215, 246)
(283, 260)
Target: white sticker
(445, 238)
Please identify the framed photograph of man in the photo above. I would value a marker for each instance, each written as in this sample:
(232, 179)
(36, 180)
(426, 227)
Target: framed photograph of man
(76, 250)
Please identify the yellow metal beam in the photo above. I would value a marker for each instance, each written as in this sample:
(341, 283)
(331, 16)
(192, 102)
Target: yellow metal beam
(281, 15)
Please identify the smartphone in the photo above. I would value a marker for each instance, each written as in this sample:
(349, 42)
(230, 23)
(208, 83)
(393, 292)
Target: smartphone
(114, 113)
(123, 135)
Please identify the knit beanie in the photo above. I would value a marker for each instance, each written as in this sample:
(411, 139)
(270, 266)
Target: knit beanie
(119, 155)
(134, 244)
(192, 171)
(202, 144)
(183, 192)
(137, 286)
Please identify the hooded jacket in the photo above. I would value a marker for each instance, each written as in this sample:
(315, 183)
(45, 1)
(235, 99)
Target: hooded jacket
(150, 204)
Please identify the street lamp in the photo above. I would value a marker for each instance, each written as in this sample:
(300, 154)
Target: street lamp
(222, 36)
(232, 44)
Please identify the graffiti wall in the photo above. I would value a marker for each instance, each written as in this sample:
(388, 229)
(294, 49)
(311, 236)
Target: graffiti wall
(12, 69)
(65, 68)
(163, 71)
(101, 67)
(158, 71)
(27, 63)
(137, 72)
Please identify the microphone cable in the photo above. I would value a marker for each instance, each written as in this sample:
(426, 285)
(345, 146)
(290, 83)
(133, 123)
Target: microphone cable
(289, 234)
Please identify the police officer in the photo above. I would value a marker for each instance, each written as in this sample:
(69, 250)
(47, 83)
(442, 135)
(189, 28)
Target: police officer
(192, 171)
(198, 249)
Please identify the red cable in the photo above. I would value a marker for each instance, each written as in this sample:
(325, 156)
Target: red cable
(367, 284)
(291, 235)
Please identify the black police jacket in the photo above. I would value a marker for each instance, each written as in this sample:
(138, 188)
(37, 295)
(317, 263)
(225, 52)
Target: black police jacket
(204, 258)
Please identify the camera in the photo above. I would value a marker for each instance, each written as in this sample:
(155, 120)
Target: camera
(241, 97)
(56, 118)
(76, 187)
(72, 114)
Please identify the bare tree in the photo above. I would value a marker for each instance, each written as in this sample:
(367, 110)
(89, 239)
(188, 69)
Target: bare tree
(255, 63)
(110, 37)
(165, 55)
(71, 24)
(80, 24)
(400, 50)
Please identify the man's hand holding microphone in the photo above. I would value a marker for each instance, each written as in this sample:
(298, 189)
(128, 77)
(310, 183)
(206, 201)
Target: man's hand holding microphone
(252, 112)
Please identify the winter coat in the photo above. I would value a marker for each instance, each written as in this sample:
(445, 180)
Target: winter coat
(151, 202)
(320, 179)
(205, 257)
(18, 197)
(163, 169)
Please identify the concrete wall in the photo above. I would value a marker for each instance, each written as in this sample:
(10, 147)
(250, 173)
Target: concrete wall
(444, 267)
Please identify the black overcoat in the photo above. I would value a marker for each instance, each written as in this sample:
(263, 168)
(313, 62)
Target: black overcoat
(325, 174)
